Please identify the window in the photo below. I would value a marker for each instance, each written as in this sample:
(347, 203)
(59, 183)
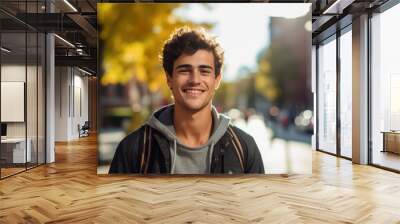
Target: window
(346, 93)
(385, 89)
(327, 96)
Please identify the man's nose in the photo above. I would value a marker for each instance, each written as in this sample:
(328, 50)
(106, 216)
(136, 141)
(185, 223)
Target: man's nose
(195, 76)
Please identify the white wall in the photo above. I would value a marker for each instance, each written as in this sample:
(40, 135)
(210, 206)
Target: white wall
(62, 81)
(13, 73)
(33, 125)
(71, 94)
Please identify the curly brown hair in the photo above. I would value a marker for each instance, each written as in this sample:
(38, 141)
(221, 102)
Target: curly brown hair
(187, 40)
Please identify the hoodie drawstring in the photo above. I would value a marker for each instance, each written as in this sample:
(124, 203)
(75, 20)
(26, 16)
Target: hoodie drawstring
(173, 163)
(210, 156)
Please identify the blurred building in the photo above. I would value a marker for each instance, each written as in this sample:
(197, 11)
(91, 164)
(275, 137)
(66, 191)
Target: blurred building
(293, 36)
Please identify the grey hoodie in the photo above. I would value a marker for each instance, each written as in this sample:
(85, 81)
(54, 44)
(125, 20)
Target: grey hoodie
(188, 160)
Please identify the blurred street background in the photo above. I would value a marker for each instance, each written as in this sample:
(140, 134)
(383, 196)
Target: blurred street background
(266, 87)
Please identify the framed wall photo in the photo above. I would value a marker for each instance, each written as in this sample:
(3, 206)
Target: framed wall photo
(12, 101)
(194, 88)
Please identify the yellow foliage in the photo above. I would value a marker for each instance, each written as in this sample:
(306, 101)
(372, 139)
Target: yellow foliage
(132, 36)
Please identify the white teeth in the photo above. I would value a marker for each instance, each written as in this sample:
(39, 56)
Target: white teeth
(193, 91)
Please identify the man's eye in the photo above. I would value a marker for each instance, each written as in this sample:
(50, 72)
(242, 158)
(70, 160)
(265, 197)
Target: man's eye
(205, 71)
(183, 71)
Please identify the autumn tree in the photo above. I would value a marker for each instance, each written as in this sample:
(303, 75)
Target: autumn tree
(132, 36)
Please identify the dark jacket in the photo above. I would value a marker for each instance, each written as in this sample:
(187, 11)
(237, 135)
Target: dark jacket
(136, 155)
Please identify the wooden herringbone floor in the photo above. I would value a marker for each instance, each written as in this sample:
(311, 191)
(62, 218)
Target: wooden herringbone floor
(69, 191)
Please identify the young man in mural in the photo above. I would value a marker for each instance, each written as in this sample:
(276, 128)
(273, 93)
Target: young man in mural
(189, 136)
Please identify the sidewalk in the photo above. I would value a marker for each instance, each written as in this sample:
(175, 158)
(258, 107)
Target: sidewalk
(279, 155)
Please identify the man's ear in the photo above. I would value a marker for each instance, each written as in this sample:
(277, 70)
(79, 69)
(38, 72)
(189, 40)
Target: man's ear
(218, 80)
(169, 81)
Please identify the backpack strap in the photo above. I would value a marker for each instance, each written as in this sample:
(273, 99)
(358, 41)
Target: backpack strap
(146, 150)
(238, 147)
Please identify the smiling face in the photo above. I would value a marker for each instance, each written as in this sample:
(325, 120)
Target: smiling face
(193, 81)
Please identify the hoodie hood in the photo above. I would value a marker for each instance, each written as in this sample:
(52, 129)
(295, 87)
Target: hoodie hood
(162, 120)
